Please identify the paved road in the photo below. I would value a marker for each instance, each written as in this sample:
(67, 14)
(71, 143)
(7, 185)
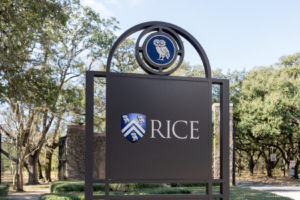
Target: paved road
(32, 195)
(282, 190)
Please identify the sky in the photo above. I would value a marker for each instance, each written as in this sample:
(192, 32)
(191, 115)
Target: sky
(235, 34)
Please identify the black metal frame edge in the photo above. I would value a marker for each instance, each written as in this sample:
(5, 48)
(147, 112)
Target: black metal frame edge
(177, 29)
(224, 181)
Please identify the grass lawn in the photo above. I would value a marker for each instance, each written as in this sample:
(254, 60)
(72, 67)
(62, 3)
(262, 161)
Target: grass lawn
(73, 190)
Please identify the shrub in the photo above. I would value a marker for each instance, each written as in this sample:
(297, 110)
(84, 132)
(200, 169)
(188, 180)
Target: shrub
(124, 187)
(191, 184)
(80, 196)
(236, 193)
(73, 186)
(3, 191)
(78, 186)
(62, 196)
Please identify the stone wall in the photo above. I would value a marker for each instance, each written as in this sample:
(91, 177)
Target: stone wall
(216, 141)
(75, 153)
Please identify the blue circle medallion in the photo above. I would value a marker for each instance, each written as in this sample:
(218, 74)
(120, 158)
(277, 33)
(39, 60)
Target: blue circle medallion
(161, 50)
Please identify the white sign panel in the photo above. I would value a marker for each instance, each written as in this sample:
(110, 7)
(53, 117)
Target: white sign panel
(292, 163)
(273, 157)
(291, 172)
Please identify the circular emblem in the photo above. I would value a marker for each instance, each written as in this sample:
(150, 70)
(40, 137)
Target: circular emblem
(160, 50)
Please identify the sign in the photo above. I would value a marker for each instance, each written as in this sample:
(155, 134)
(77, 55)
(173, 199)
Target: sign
(273, 157)
(292, 163)
(174, 139)
(291, 172)
(158, 127)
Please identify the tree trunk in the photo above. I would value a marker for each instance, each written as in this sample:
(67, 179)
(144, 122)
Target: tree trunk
(251, 169)
(48, 162)
(11, 168)
(22, 164)
(50, 149)
(298, 162)
(268, 164)
(32, 162)
(240, 163)
(250, 164)
(269, 169)
(40, 170)
(292, 147)
(18, 178)
(296, 176)
(262, 167)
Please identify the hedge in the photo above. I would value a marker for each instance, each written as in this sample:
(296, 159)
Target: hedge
(78, 186)
(3, 191)
(72, 186)
(236, 193)
(80, 196)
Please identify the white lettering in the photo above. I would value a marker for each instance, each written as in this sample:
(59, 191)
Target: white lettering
(168, 122)
(157, 130)
(173, 129)
(192, 129)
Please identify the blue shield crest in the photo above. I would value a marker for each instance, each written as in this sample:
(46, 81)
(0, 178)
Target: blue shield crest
(133, 126)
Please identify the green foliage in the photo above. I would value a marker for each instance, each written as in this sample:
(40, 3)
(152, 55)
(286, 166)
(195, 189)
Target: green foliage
(73, 186)
(289, 61)
(24, 27)
(62, 196)
(191, 184)
(269, 102)
(40, 44)
(124, 58)
(235, 193)
(267, 110)
(133, 186)
(3, 191)
(41, 47)
(78, 186)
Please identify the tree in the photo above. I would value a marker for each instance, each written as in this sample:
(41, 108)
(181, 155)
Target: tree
(268, 109)
(38, 93)
(22, 31)
(252, 153)
(290, 66)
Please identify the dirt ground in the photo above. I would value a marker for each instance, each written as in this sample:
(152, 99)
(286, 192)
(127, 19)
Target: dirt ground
(7, 178)
(32, 192)
(262, 177)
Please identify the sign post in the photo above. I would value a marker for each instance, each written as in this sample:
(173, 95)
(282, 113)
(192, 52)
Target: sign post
(158, 127)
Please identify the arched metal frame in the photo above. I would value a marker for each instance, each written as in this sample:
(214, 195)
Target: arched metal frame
(162, 27)
(224, 123)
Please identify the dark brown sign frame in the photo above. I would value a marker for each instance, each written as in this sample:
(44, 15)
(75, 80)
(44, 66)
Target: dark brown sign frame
(160, 75)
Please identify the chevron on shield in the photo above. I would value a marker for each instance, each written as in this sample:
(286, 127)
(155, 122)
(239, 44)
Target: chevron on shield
(133, 126)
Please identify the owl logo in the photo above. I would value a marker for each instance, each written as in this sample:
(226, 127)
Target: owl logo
(161, 49)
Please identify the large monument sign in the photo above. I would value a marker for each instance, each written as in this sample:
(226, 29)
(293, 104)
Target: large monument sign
(158, 127)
